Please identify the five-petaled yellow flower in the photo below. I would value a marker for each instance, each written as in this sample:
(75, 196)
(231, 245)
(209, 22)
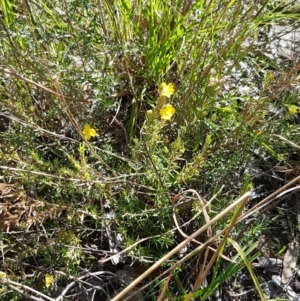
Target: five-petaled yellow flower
(88, 132)
(166, 90)
(167, 112)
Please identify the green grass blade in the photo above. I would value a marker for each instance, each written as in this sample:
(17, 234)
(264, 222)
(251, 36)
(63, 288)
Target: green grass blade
(249, 267)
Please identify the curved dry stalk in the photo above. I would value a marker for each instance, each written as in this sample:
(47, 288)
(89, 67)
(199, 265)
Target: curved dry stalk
(181, 245)
(206, 217)
(203, 273)
(203, 207)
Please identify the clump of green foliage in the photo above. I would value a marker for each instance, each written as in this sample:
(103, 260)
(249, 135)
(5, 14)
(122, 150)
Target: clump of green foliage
(120, 105)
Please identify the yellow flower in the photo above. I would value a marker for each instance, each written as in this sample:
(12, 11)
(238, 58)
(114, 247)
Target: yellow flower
(166, 90)
(293, 109)
(88, 132)
(167, 112)
(48, 280)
